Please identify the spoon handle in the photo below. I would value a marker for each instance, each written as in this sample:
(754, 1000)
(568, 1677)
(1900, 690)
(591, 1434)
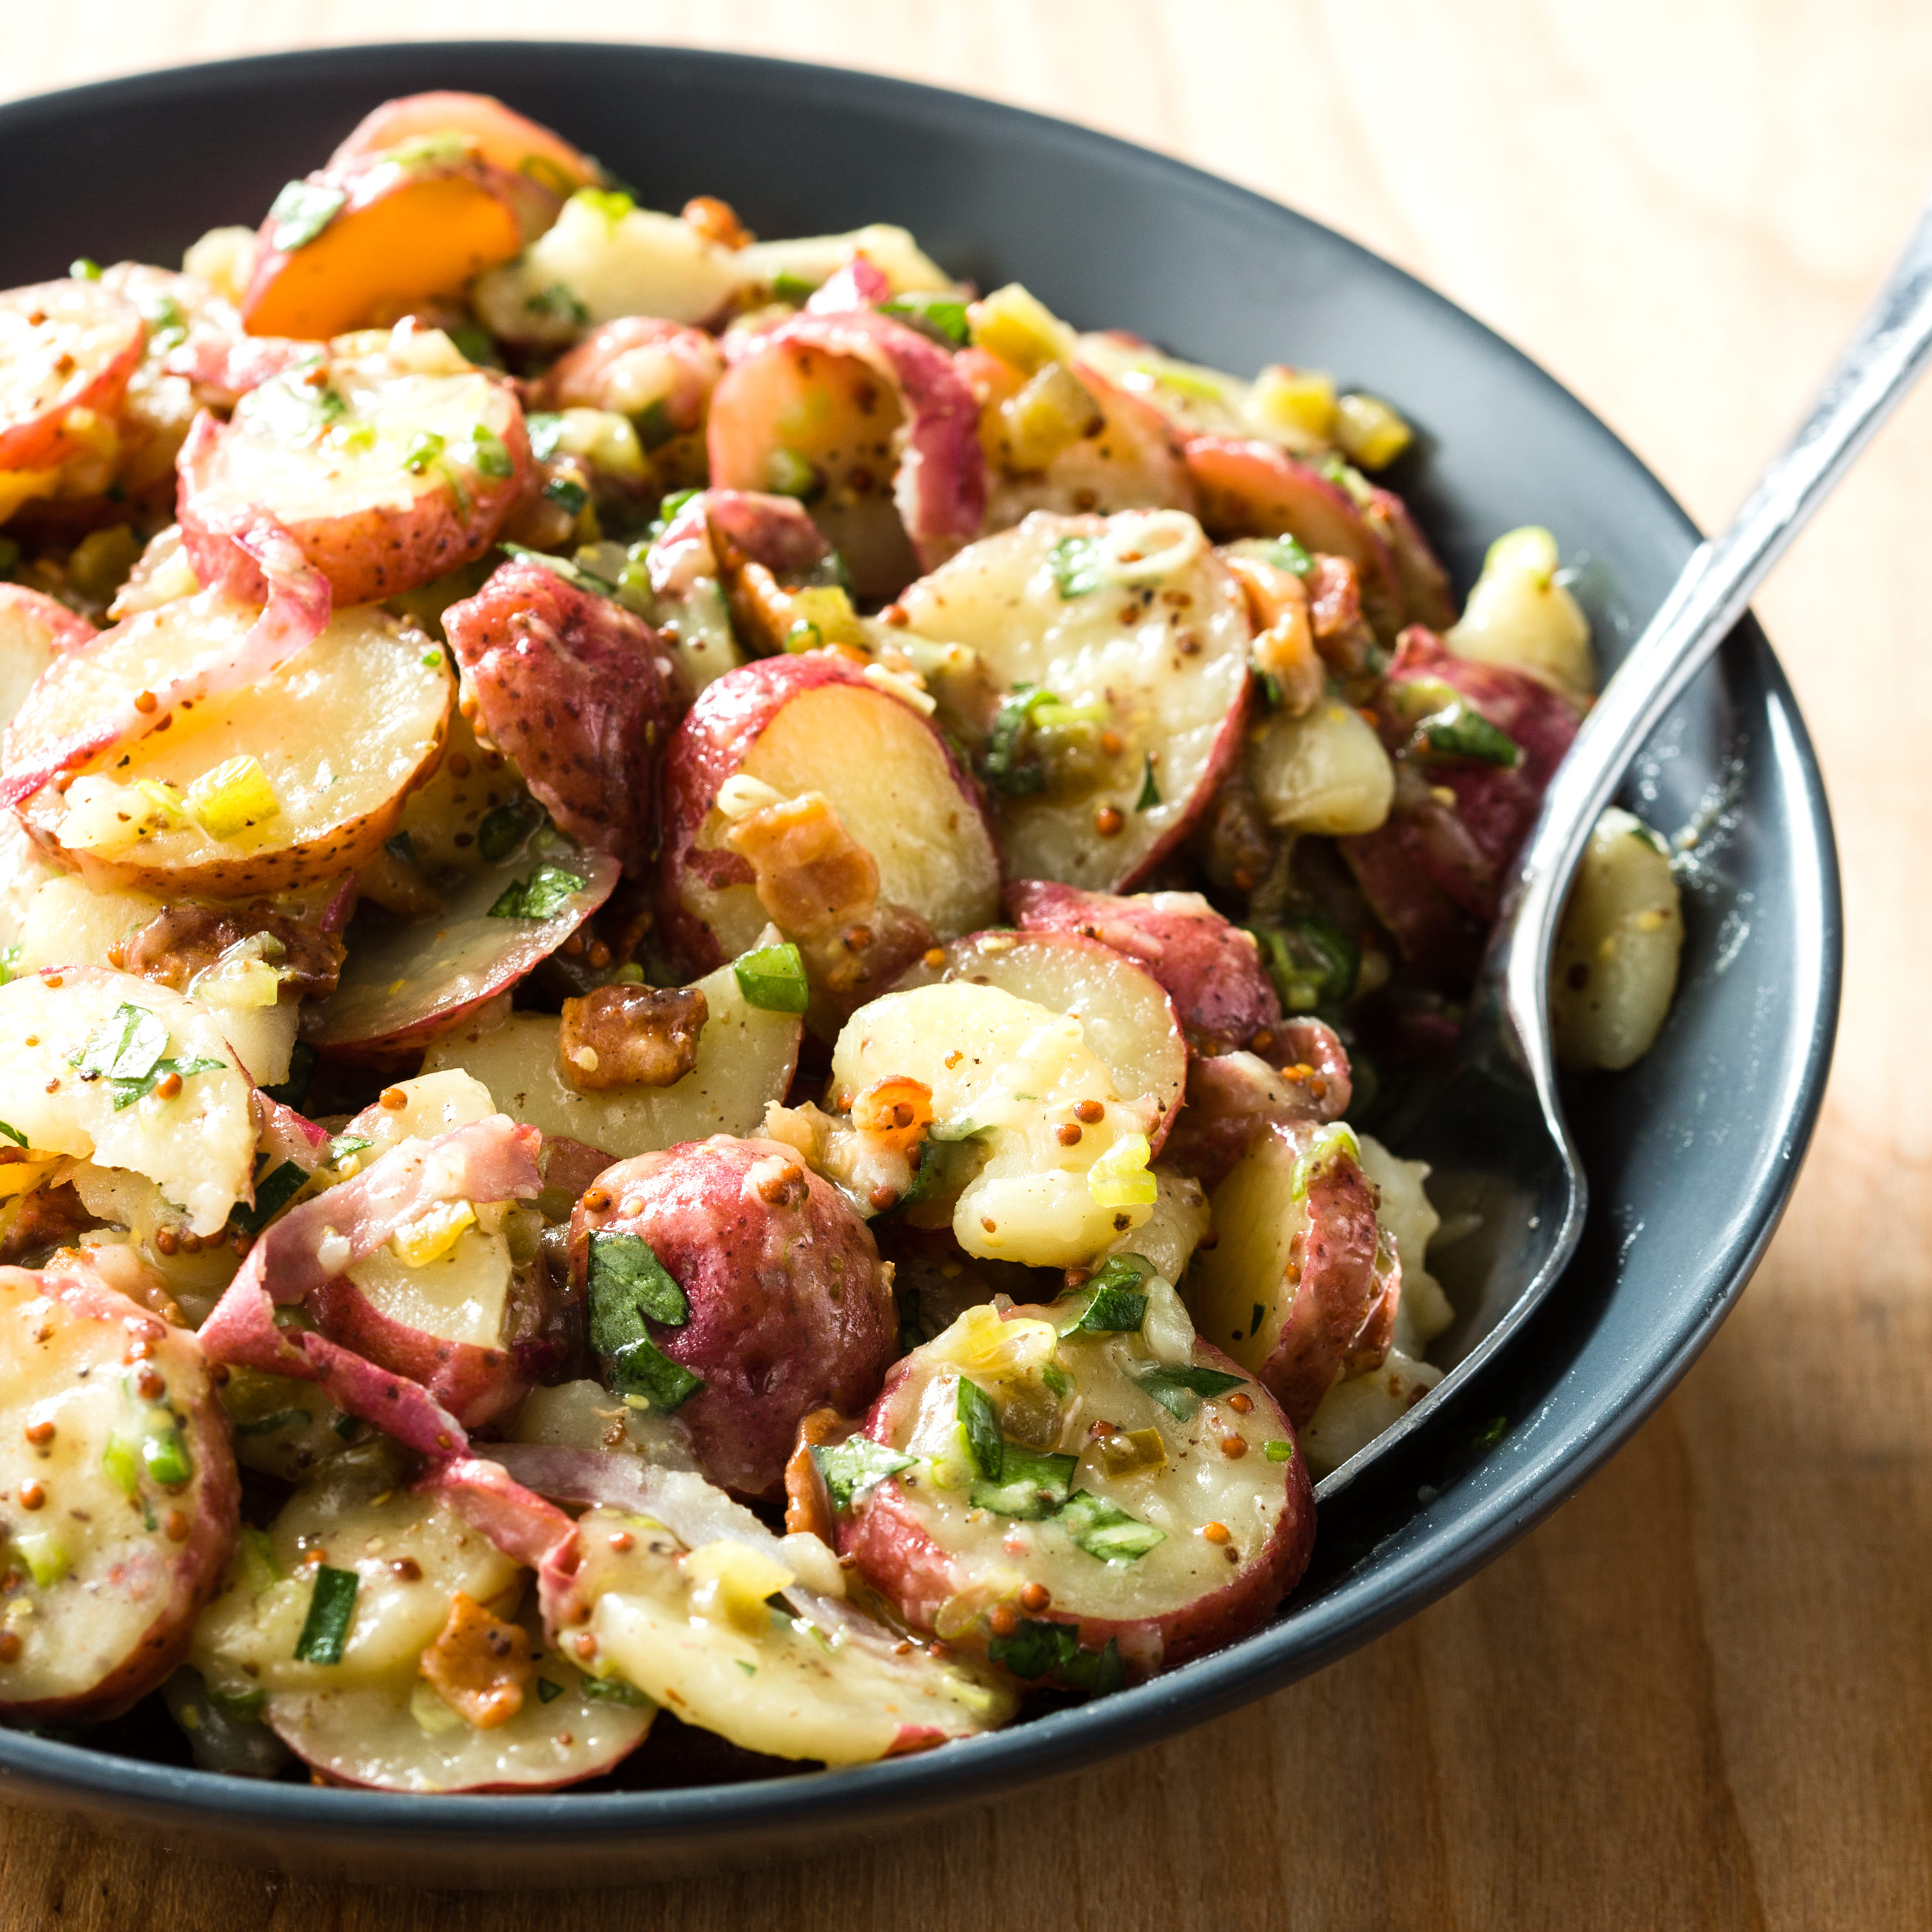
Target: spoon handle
(1879, 364)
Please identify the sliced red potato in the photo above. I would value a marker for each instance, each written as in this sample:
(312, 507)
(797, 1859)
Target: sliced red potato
(816, 724)
(407, 981)
(1250, 488)
(746, 1056)
(1195, 399)
(110, 1068)
(404, 1737)
(1233, 1097)
(380, 237)
(34, 631)
(1427, 596)
(678, 1609)
(121, 1492)
(1118, 650)
(1126, 1017)
(1110, 451)
(67, 349)
(870, 422)
(1109, 1475)
(1059, 1162)
(389, 463)
(1303, 1286)
(582, 693)
(1211, 970)
(283, 783)
(785, 1307)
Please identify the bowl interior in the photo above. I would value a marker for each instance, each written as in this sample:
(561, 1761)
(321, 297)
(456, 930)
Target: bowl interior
(1690, 1156)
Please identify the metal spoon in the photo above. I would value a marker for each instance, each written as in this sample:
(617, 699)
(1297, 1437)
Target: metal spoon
(1493, 1127)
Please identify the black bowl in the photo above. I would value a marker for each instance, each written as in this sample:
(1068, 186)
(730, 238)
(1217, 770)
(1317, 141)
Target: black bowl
(1691, 1155)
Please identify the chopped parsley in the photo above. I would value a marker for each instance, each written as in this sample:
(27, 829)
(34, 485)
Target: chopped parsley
(612, 1690)
(546, 1691)
(939, 315)
(272, 1193)
(1076, 563)
(127, 1052)
(1038, 1649)
(556, 303)
(503, 829)
(1180, 1390)
(567, 494)
(541, 896)
(979, 1431)
(1032, 1486)
(300, 212)
(642, 1369)
(630, 1286)
(1150, 791)
(851, 1468)
(1459, 731)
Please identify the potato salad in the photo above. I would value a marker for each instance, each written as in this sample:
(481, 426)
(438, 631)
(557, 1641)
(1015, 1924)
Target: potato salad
(700, 939)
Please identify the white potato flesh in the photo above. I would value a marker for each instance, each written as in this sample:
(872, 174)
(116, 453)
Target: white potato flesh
(444, 815)
(436, 1102)
(886, 774)
(414, 977)
(1521, 616)
(122, 1199)
(1124, 1015)
(1618, 950)
(1323, 772)
(198, 1147)
(1203, 401)
(1158, 648)
(586, 1415)
(814, 258)
(691, 1629)
(24, 869)
(109, 1571)
(1173, 1229)
(457, 1296)
(1009, 1072)
(341, 732)
(403, 1737)
(351, 1515)
(1404, 1211)
(745, 1058)
(1236, 1294)
(1357, 1410)
(26, 649)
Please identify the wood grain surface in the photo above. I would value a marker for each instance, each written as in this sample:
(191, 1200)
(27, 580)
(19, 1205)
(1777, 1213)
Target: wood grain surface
(1702, 1694)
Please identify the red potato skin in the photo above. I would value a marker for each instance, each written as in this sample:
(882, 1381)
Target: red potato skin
(1211, 970)
(715, 739)
(581, 376)
(1223, 758)
(211, 1502)
(1434, 873)
(1248, 488)
(40, 442)
(375, 554)
(1231, 1100)
(1427, 596)
(791, 1310)
(581, 693)
(895, 1553)
(1343, 1316)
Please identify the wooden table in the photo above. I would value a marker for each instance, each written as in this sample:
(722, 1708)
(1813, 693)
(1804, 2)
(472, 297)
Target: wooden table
(1702, 1694)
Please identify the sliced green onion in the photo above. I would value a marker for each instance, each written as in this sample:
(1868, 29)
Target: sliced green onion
(773, 979)
(325, 1628)
(541, 896)
(851, 1468)
(1278, 1451)
(1105, 1530)
(979, 1431)
(1032, 1486)
(300, 212)
(166, 1458)
(1179, 1390)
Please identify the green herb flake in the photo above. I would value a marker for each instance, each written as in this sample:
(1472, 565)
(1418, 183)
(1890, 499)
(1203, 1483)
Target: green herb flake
(613, 1690)
(1312, 963)
(300, 212)
(325, 1628)
(612, 203)
(9, 955)
(979, 1431)
(1286, 553)
(773, 979)
(84, 268)
(849, 1468)
(486, 452)
(1105, 1530)
(126, 1051)
(472, 344)
(13, 1133)
(1491, 1435)
(546, 432)
(546, 1691)
(1180, 1390)
(567, 494)
(1458, 731)
(433, 660)
(628, 1287)
(1076, 563)
(1278, 1451)
(504, 828)
(272, 1194)
(1150, 791)
(274, 1425)
(788, 287)
(167, 1459)
(933, 312)
(1002, 767)
(641, 1368)
(167, 326)
(1032, 1486)
(342, 1146)
(1114, 1304)
(1057, 1380)
(574, 573)
(1037, 1649)
(425, 448)
(541, 896)
(556, 303)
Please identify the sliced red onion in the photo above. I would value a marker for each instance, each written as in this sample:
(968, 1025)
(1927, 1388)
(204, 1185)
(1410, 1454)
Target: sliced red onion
(525, 1528)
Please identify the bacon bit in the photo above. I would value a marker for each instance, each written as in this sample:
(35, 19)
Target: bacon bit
(32, 1495)
(406, 1570)
(480, 1665)
(1233, 1448)
(1005, 1619)
(619, 1036)
(9, 1646)
(175, 1525)
(811, 875)
(1109, 822)
(808, 1507)
(1240, 1404)
(1035, 1596)
(1090, 1111)
(393, 1098)
(1067, 1134)
(716, 221)
(1216, 1532)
